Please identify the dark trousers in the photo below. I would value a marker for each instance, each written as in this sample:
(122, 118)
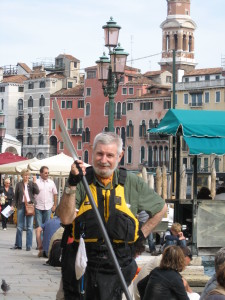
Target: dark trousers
(100, 281)
(4, 219)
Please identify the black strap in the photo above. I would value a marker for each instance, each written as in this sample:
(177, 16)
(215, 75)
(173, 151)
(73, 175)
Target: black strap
(122, 176)
(101, 205)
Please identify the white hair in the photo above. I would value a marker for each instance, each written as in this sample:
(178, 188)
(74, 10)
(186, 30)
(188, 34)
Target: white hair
(107, 138)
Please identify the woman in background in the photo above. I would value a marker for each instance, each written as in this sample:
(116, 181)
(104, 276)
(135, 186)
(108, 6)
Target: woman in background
(7, 195)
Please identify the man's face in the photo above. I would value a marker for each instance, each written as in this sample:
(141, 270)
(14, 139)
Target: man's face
(44, 174)
(105, 159)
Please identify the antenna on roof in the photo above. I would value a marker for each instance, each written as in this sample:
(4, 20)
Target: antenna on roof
(131, 49)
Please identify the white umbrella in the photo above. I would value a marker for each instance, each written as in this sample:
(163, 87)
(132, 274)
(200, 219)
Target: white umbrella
(16, 167)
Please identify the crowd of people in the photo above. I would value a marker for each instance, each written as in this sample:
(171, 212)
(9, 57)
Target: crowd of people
(129, 211)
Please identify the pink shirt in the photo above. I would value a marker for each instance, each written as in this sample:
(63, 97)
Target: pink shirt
(44, 200)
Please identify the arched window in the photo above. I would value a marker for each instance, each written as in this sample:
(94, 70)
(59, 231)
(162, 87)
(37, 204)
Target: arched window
(161, 154)
(29, 155)
(20, 104)
(155, 155)
(41, 139)
(118, 112)
(41, 120)
(167, 42)
(150, 124)
(130, 129)
(87, 135)
(40, 155)
(175, 41)
(184, 42)
(2, 104)
(88, 109)
(124, 108)
(30, 121)
(156, 123)
(123, 135)
(166, 154)
(53, 145)
(142, 129)
(150, 156)
(190, 43)
(29, 140)
(42, 101)
(118, 130)
(129, 155)
(142, 154)
(30, 102)
(86, 156)
(106, 108)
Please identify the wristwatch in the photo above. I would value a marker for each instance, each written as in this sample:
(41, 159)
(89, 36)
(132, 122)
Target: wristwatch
(70, 190)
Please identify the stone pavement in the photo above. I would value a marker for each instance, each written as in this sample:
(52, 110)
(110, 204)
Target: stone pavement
(27, 275)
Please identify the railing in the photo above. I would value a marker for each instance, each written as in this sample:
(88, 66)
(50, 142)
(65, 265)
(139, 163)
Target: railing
(29, 130)
(76, 131)
(19, 132)
(10, 70)
(185, 86)
(196, 104)
(151, 137)
(20, 112)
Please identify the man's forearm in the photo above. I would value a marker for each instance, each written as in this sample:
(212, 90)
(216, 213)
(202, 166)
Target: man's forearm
(151, 223)
(67, 209)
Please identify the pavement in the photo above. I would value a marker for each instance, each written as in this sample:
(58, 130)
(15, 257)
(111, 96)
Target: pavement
(28, 275)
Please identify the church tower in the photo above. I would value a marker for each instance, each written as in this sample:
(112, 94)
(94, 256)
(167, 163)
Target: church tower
(178, 33)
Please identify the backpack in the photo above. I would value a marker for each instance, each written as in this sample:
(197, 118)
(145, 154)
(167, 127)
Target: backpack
(55, 254)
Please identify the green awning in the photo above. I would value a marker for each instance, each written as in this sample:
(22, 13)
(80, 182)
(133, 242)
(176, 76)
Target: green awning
(203, 131)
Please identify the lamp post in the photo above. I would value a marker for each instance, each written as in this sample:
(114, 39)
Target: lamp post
(110, 70)
(2, 129)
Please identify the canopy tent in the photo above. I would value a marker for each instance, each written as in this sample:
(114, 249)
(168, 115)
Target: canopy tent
(16, 167)
(7, 157)
(59, 165)
(203, 131)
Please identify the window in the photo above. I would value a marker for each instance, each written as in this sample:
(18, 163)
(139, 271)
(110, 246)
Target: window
(185, 162)
(20, 89)
(30, 102)
(68, 124)
(130, 129)
(217, 164)
(42, 101)
(88, 92)
(86, 156)
(29, 121)
(150, 124)
(91, 74)
(129, 155)
(123, 134)
(19, 123)
(217, 76)
(63, 104)
(156, 123)
(75, 64)
(207, 97)
(196, 100)
(131, 90)
(142, 129)
(80, 104)
(217, 96)
(86, 135)
(196, 78)
(130, 78)
(61, 146)
(185, 98)
(41, 120)
(124, 108)
(30, 86)
(186, 79)
(146, 105)
(167, 104)
(29, 140)
(142, 155)
(42, 84)
(207, 77)
(129, 106)
(150, 156)
(124, 91)
(2, 104)
(88, 109)
(41, 139)
(69, 104)
(80, 124)
(106, 108)
(206, 164)
(79, 145)
(2, 89)
(118, 110)
(53, 124)
(69, 84)
(169, 79)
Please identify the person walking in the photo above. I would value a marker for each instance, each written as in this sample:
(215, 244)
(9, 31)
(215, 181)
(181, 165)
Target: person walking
(113, 191)
(46, 200)
(7, 195)
(24, 189)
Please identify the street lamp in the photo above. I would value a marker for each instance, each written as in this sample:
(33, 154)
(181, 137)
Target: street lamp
(111, 70)
(2, 129)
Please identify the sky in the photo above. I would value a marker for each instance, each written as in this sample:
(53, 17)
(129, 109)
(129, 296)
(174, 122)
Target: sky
(39, 30)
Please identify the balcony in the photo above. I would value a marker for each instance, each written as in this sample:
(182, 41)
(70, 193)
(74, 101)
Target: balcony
(29, 130)
(196, 104)
(41, 130)
(76, 131)
(199, 85)
(29, 110)
(20, 113)
(41, 110)
(19, 132)
(152, 137)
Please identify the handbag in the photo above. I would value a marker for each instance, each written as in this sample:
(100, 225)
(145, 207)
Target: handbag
(29, 207)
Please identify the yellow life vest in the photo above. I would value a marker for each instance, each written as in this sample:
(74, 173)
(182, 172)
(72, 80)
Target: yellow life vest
(119, 221)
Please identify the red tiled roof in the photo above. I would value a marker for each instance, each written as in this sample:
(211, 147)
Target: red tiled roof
(153, 73)
(70, 57)
(163, 94)
(207, 71)
(15, 79)
(55, 75)
(25, 67)
(75, 91)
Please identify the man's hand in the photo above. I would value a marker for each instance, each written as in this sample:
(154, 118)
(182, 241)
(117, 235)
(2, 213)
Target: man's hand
(77, 171)
(34, 178)
(53, 208)
(181, 236)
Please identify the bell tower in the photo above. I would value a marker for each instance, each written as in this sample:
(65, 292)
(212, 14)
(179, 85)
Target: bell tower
(178, 34)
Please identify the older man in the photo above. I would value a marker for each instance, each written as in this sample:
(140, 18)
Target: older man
(113, 191)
